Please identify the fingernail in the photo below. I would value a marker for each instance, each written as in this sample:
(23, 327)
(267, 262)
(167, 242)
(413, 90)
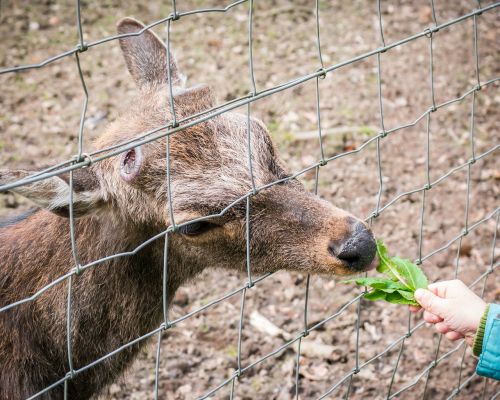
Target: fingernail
(419, 293)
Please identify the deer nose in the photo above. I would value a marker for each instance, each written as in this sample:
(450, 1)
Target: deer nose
(357, 251)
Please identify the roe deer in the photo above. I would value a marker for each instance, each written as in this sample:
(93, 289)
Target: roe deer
(122, 201)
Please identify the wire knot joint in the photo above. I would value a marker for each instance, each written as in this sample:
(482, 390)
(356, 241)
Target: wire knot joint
(78, 270)
(428, 32)
(70, 374)
(83, 158)
(82, 47)
(165, 325)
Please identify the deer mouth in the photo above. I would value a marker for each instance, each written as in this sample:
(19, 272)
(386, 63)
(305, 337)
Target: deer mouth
(373, 265)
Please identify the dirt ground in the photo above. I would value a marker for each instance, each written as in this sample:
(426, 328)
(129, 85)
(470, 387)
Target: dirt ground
(39, 118)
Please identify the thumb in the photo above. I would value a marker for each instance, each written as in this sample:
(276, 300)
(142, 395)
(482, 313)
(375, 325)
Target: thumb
(430, 302)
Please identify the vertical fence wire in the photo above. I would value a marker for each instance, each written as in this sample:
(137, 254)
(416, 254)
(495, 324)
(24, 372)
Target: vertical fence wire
(247, 242)
(157, 365)
(318, 36)
(68, 326)
(430, 35)
(433, 11)
(394, 370)
(381, 112)
(240, 331)
(250, 48)
(78, 157)
(432, 366)
(476, 51)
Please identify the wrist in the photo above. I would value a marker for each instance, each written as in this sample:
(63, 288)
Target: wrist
(478, 310)
(477, 345)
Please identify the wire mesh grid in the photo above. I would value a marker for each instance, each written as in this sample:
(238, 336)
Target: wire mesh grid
(83, 159)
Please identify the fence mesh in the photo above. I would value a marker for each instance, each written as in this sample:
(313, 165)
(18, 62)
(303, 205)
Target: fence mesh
(84, 159)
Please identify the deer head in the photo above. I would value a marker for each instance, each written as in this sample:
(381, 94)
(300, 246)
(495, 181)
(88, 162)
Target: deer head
(289, 227)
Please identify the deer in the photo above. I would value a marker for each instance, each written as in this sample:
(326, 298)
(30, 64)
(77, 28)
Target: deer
(123, 200)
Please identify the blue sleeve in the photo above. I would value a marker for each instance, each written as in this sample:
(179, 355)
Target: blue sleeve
(489, 362)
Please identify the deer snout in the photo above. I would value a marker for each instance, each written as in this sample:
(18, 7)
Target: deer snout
(357, 251)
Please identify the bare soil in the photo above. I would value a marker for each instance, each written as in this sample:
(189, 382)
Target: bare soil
(39, 118)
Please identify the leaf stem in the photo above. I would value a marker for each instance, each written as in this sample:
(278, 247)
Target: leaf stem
(393, 270)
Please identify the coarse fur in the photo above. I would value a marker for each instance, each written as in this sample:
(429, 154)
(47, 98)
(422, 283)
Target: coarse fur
(116, 301)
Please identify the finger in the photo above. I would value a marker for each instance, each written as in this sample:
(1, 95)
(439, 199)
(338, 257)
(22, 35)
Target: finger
(440, 288)
(453, 335)
(432, 318)
(442, 327)
(414, 309)
(430, 302)
(445, 288)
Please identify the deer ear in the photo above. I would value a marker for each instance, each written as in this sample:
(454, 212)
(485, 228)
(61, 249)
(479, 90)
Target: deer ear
(53, 193)
(146, 55)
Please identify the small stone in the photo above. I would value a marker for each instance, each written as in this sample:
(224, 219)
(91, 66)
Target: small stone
(181, 297)
(238, 49)
(34, 26)
(184, 390)
(114, 389)
(465, 249)
(53, 21)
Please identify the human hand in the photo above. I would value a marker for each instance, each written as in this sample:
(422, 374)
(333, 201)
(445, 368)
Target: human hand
(455, 310)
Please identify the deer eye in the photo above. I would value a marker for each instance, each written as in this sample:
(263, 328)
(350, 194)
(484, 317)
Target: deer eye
(196, 228)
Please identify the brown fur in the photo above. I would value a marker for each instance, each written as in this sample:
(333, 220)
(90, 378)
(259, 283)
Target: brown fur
(119, 300)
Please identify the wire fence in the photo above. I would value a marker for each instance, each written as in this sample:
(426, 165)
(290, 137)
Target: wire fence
(83, 159)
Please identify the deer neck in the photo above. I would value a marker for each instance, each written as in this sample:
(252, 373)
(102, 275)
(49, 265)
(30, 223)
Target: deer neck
(112, 302)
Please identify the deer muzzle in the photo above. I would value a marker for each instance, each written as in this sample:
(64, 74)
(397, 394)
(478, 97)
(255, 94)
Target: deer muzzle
(356, 251)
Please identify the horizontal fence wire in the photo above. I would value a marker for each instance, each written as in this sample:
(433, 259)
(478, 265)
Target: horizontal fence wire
(178, 125)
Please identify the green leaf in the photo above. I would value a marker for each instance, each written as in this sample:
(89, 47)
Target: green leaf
(388, 266)
(375, 295)
(398, 298)
(379, 283)
(371, 280)
(382, 255)
(389, 286)
(399, 281)
(412, 273)
(407, 295)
